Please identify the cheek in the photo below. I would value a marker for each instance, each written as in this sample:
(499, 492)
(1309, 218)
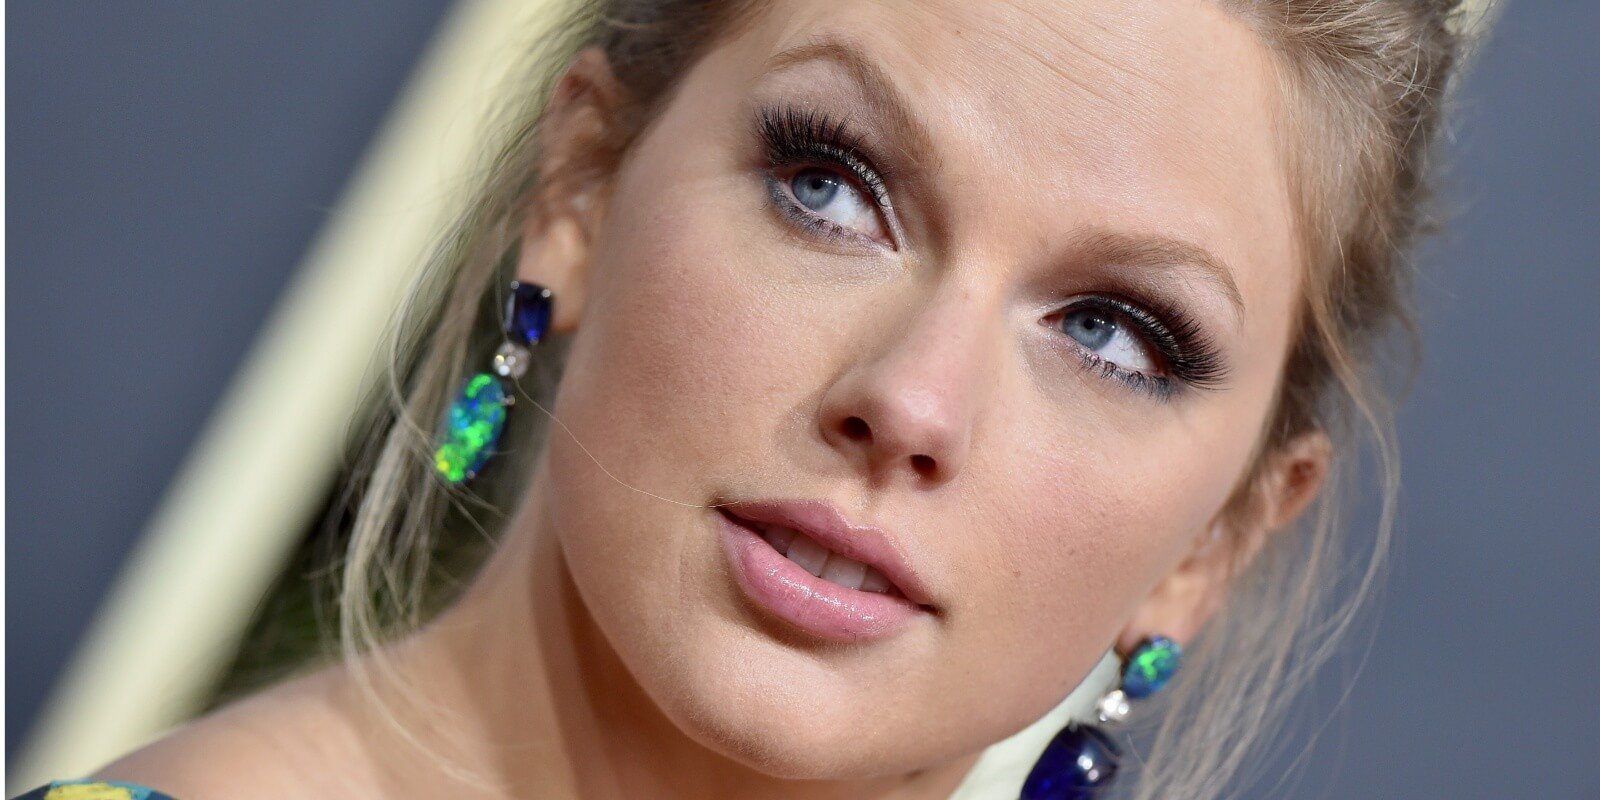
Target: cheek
(706, 331)
(666, 365)
(1100, 520)
(673, 346)
(683, 372)
(1066, 534)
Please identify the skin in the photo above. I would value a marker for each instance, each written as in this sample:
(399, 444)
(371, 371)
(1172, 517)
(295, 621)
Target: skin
(720, 351)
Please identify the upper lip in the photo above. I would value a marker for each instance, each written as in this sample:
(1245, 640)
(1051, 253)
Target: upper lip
(829, 527)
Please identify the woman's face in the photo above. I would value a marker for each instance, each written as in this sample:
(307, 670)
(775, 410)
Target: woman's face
(1010, 281)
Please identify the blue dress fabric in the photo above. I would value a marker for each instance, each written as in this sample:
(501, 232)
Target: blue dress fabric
(92, 790)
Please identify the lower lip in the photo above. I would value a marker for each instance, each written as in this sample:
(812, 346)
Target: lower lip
(822, 608)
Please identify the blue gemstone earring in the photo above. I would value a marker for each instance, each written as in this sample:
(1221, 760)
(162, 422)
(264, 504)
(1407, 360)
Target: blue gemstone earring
(474, 421)
(1082, 759)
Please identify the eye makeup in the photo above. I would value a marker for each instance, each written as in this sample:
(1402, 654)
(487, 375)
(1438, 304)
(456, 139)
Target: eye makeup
(796, 139)
(793, 137)
(1186, 356)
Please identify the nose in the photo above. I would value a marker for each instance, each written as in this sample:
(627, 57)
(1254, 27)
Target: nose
(905, 410)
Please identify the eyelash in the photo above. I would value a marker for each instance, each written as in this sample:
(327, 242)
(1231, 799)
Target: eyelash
(795, 137)
(1188, 356)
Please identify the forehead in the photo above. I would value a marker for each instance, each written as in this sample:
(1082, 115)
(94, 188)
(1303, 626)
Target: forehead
(1144, 117)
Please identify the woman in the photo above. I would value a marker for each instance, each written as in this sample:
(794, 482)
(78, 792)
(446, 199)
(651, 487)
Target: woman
(915, 359)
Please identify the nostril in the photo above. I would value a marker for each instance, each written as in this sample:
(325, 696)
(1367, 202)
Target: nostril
(857, 428)
(923, 465)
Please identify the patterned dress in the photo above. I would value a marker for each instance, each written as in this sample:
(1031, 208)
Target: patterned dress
(92, 790)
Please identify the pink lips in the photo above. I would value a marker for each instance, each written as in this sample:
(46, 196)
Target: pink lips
(825, 609)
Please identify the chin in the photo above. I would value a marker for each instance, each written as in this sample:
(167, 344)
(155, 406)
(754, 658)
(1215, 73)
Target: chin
(779, 712)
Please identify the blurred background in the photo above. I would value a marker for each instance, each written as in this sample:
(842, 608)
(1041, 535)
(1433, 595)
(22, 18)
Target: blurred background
(190, 184)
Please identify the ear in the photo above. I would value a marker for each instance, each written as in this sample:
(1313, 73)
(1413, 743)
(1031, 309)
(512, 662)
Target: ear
(577, 158)
(1283, 487)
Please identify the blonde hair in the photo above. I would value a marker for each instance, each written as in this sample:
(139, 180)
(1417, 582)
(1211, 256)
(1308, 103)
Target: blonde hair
(1365, 80)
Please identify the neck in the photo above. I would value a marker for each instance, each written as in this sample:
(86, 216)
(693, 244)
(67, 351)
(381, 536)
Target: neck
(537, 703)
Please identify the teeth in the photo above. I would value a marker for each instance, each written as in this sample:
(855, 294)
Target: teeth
(874, 581)
(843, 571)
(824, 563)
(779, 537)
(808, 554)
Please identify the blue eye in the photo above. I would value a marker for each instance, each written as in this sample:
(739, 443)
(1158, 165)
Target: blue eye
(1150, 350)
(830, 198)
(814, 188)
(820, 176)
(1091, 327)
(1110, 337)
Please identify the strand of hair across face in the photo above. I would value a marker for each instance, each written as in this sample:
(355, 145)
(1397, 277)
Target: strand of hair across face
(608, 473)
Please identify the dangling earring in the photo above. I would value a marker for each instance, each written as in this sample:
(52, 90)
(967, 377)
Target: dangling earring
(1082, 759)
(478, 415)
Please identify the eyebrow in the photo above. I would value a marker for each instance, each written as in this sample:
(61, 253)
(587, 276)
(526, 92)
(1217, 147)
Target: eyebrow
(890, 104)
(877, 89)
(1146, 252)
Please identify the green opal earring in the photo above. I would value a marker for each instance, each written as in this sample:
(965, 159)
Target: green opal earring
(473, 423)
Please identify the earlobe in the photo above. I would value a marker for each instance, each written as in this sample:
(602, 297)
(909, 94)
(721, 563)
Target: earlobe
(556, 255)
(1181, 604)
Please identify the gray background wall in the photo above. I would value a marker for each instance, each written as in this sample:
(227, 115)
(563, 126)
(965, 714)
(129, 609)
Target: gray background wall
(169, 163)
(1483, 679)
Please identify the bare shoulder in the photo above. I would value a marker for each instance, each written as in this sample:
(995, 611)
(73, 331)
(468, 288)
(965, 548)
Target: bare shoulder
(289, 741)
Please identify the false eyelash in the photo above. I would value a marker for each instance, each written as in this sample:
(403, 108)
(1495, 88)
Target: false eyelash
(793, 135)
(1186, 352)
